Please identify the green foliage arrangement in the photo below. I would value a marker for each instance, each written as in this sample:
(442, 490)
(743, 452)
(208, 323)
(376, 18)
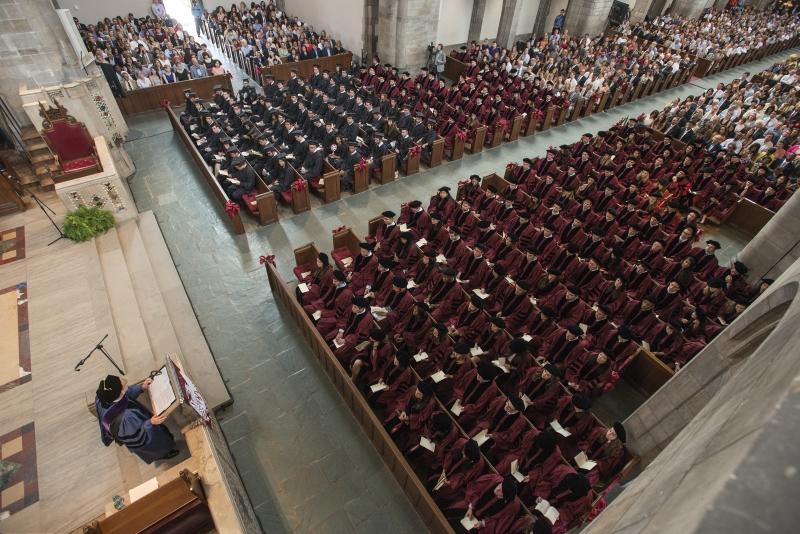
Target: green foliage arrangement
(86, 222)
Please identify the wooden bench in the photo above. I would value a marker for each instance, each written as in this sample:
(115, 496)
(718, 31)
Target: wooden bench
(297, 198)
(329, 185)
(453, 68)
(479, 140)
(410, 165)
(436, 154)
(750, 217)
(305, 67)
(151, 98)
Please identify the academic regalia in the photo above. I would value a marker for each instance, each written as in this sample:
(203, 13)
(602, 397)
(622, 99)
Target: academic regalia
(459, 470)
(590, 376)
(609, 455)
(128, 422)
(577, 423)
(468, 324)
(497, 513)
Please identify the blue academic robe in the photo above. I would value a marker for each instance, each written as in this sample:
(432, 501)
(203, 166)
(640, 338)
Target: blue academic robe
(149, 442)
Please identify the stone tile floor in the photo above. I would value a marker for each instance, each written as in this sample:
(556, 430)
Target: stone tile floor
(305, 463)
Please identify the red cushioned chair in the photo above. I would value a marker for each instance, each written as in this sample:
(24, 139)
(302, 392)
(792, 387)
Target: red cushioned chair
(70, 143)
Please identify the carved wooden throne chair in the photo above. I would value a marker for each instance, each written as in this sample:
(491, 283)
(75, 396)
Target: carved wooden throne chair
(70, 143)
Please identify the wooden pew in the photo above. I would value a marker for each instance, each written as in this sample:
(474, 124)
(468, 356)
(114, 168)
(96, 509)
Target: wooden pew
(372, 426)
(388, 168)
(497, 137)
(306, 67)
(453, 68)
(548, 118)
(150, 98)
(576, 111)
(411, 164)
(436, 153)
(647, 373)
(329, 185)
(211, 180)
(361, 179)
(516, 126)
(457, 152)
(298, 199)
(749, 217)
(479, 140)
(562, 116)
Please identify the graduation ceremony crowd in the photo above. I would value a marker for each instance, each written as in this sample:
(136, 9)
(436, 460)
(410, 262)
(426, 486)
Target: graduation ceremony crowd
(267, 36)
(749, 131)
(570, 67)
(148, 51)
(518, 307)
(719, 34)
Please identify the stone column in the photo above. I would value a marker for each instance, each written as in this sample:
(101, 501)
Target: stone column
(640, 9)
(540, 25)
(688, 8)
(777, 245)
(405, 29)
(506, 29)
(587, 16)
(476, 21)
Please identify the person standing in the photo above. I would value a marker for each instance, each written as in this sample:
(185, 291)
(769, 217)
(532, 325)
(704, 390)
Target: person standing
(558, 23)
(439, 60)
(125, 421)
(197, 13)
(159, 10)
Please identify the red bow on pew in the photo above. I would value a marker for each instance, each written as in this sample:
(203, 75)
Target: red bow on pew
(461, 134)
(598, 507)
(299, 185)
(232, 209)
(503, 124)
(165, 103)
(264, 259)
(612, 381)
(361, 165)
(414, 151)
(538, 114)
(340, 229)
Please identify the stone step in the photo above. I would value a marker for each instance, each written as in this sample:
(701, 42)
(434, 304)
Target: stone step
(47, 184)
(41, 169)
(29, 132)
(134, 343)
(42, 158)
(32, 145)
(149, 298)
(197, 357)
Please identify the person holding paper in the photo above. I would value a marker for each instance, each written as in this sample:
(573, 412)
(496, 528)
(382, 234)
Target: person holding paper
(363, 268)
(565, 347)
(461, 464)
(464, 222)
(378, 288)
(540, 390)
(353, 328)
(416, 331)
(486, 235)
(605, 446)
(125, 421)
(371, 358)
(439, 434)
(331, 305)
(405, 251)
(475, 270)
(474, 390)
(542, 325)
(469, 320)
(490, 503)
(454, 250)
(590, 373)
(494, 340)
(319, 281)
(445, 296)
(572, 413)
(386, 233)
(534, 465)
(570, 493)
(436, 235)
(416, 219)
(399, 303)
(411, 413)
(509, 255)
(396, 378)
(503, 422)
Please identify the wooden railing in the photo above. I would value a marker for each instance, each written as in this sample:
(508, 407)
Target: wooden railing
(151, 98)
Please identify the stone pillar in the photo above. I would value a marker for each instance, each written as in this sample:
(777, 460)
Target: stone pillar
(688, 8)
(777, 245)
(541, 24)
(587, 16)
(506, 29)
(370, 28)
(640, 9)
(476, 21)
(405, 29)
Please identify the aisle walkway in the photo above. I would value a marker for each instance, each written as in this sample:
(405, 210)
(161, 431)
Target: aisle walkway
(304, 460)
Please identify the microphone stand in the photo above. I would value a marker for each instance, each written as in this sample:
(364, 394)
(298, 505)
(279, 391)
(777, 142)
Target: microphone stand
(99, 347)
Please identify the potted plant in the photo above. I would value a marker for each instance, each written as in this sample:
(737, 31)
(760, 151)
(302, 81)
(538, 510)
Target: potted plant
(86, 222)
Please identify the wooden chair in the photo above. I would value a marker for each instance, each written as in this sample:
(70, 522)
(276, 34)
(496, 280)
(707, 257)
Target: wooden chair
(70, 143)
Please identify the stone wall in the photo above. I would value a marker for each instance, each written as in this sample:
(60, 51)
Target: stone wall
(587, 16)
(405, 29)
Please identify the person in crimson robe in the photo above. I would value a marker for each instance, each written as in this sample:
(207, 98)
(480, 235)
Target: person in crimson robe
(536, 454)
(546, 243)
(442, 204)
(417, 328)
(639, 316)
(363, 267)
(487, 206)
(469, 321)
(508, 255)
(564, 346)
(651, 256)
(680, 244)
(353, 329)
(638, 281)
(598, 325)
(572, 413)
(504, 423)
(405, 253)
(471, 190)
(606, 447)
(379, 287)
(386, 232)
(410, 414)
(530, 268)
(332, 306)
(705, 260)
(485, 235)
(455, 250)
(589, 374)
(507, 216)
(438, 346)
(667, 301)
(418, 221)
(461, 464)
(397, 377)
(569, 307)
(399, 303)
(712, 298)
(517, 309)
(463, 220)
(570, 493)
(474, 270)
(667, 342)
(573, 233)
(566, 260)
(541, 326)
(540, 390)
(445, 296)
(587, 278)
(736, 284)
(613, 295)
(443, 434)
(491, 500)
(318, 281)
(683, 273)
(424, 274)
(369, 362)
(493, 341)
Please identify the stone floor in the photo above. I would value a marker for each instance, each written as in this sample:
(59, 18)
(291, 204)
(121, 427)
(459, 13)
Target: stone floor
(306, 465)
